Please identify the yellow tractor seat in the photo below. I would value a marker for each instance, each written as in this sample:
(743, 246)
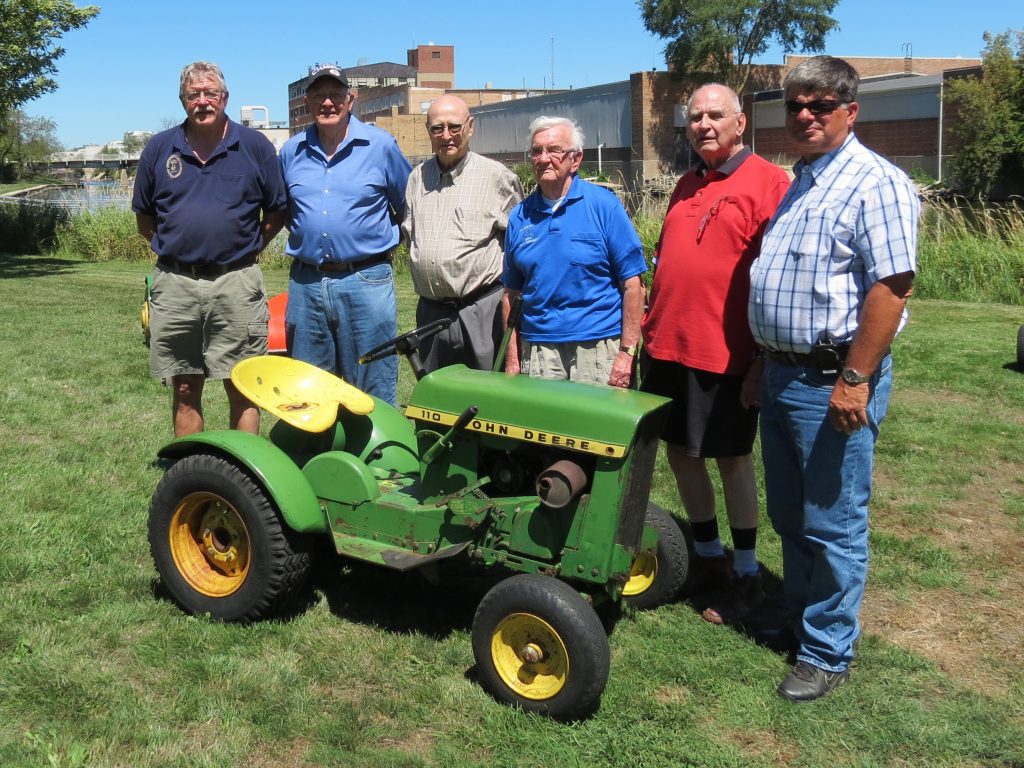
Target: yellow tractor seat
(298, 393)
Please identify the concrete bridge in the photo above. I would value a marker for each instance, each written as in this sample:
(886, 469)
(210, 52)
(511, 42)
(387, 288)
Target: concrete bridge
(69, 160)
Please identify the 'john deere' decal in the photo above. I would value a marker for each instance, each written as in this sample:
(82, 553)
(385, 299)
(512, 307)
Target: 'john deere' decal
(554, 439)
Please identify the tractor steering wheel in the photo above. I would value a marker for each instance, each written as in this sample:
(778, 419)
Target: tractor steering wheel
(406, 343)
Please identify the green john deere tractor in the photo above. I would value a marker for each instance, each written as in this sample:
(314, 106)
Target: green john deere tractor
(549, 479)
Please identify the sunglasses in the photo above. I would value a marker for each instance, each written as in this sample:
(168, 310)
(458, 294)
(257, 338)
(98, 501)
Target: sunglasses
(818, 107)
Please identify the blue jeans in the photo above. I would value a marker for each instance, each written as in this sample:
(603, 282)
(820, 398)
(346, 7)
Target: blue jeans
(817, 483)
(334, 317)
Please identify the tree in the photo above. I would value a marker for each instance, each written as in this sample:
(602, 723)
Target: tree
(29, 30)
(25, 140)
(988, 128)
(720, 38)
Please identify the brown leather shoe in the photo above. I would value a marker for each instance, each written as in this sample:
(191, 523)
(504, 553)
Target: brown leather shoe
(708, 575)
(807, 682)
(744, 598)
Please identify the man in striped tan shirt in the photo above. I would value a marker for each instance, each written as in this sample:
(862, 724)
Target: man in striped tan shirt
(458, 205)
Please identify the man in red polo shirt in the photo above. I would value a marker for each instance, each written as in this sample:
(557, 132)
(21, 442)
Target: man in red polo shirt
(698, 346)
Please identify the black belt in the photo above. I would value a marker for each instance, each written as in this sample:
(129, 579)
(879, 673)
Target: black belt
(460, 302)
(827, 358)
(350, 266)
(204, 270)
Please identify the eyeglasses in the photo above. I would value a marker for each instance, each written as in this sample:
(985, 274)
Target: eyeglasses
(453, 128)
(555, 153)
(211, 95)
(714, 117)
(336, 97)
(818, 107)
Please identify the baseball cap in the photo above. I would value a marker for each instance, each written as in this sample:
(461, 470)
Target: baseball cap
(327, 70)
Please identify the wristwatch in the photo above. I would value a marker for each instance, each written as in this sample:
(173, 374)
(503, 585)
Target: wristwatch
(631, 350)
(851, 376)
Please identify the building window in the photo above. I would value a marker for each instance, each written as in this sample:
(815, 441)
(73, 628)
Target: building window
(435, 54)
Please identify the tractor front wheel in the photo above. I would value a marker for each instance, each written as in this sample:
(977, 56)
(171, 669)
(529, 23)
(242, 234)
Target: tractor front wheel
(657, 578)
(539, 645)
(219, 543)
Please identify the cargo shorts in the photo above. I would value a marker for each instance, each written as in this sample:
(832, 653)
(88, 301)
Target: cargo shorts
(205, 325)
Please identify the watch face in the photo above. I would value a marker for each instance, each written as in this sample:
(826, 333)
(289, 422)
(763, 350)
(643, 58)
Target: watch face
(850, 376)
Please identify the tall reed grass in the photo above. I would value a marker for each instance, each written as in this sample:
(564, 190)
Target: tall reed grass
(971, 252)
(26, 227)
(966, 252)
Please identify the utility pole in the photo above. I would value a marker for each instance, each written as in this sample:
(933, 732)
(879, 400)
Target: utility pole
(552, 62)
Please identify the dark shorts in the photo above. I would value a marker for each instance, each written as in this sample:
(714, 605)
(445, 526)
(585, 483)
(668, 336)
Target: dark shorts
(705, 419)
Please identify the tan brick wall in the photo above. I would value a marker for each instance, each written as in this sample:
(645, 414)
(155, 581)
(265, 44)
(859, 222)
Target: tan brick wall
(872, 66)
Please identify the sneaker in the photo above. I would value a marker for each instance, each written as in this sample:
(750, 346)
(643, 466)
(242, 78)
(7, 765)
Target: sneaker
(707, 575)
(743, 599)
(806, 682)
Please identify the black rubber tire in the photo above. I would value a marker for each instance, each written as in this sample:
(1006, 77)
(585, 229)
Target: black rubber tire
(1020, 348)
(526, 602)
(672, 562)
(213, 493)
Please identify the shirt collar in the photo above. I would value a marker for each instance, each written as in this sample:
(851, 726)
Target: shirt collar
(728, 167)
(229, 141)
(576, 191)
(357, 131)
(820, 166)
(456, 170)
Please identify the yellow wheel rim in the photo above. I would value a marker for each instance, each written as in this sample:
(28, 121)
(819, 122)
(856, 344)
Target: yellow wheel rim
(210, 544)
(529, 656)
(641, 574)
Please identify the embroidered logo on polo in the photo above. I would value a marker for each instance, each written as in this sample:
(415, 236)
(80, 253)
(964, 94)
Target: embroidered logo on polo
(174, 166)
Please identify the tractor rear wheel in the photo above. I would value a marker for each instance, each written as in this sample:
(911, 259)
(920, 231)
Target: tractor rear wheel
(656, 579)
(219, 543)
(539, 646)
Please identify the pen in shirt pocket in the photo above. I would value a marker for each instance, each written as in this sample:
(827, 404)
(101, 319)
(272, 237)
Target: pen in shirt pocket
(712, 212)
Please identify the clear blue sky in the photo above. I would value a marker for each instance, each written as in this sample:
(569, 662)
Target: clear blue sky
(120, 73)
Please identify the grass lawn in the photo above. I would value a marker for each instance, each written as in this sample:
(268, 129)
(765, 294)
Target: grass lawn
(98, 668)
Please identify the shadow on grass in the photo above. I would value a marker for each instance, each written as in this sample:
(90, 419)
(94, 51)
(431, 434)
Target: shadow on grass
(17, 265)
(433, 602)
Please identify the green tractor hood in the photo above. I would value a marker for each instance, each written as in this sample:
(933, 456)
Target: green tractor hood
(560, 414)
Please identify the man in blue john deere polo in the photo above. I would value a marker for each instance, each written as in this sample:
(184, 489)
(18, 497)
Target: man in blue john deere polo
(208, 197)
(574, 257)
(346, 196)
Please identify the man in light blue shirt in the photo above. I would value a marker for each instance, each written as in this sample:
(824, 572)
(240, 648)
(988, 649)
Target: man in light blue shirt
(346, 196)
(827, 296)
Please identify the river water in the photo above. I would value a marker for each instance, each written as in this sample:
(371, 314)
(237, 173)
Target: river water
(89, 196)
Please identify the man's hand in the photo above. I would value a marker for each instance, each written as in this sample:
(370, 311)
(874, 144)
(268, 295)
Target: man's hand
(622, 370)
(847, 408)
(750, 389)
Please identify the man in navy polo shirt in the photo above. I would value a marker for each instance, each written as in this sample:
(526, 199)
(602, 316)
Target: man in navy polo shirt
(346, 196)
(208, 197)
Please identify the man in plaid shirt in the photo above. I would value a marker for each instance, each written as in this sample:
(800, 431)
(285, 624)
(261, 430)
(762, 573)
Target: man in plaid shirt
(827, 297)
(457, 212)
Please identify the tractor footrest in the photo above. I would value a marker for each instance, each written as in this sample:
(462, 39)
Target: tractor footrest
(390, 556)
(403, 560)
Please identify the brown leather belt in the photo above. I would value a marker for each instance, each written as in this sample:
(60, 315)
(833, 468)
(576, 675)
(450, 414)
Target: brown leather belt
(345, 267)
(204, 270)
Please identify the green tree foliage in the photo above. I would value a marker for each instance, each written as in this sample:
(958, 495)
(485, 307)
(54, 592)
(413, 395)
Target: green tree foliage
(25, 140)
(29, 31)
(989, 128)
(720, 38)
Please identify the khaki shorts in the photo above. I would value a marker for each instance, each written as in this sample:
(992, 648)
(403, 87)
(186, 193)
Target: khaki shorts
(589, 362)
(206, 325)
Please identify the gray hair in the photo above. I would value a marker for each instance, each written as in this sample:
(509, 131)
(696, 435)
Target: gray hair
(198, 70)
(737, 105)
(544, 122)
(823, 74)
